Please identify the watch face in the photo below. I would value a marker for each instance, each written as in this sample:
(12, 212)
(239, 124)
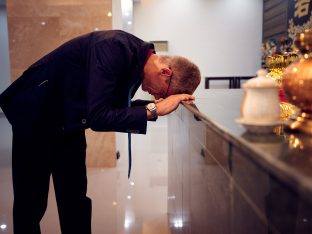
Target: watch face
(151, 105)
(152, 108)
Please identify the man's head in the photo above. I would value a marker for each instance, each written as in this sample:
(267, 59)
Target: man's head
(168, 75)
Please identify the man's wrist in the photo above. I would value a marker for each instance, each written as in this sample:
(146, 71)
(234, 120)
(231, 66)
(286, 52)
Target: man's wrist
(151, 110)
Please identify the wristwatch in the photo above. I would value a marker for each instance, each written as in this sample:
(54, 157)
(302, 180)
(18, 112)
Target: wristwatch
(151, 107)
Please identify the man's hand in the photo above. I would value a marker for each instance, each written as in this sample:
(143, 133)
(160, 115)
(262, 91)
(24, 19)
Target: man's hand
(169, 104)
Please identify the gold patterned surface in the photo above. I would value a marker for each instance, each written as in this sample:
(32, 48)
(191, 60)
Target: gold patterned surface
(277, 65)
(287, 110)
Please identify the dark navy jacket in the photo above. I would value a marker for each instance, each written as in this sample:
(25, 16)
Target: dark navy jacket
(86, 81)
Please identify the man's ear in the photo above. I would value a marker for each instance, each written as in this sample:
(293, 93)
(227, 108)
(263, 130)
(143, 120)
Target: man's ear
(166, 71)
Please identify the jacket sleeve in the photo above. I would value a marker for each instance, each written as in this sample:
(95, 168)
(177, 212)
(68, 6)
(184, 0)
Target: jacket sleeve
(140, 102)
(109, 68)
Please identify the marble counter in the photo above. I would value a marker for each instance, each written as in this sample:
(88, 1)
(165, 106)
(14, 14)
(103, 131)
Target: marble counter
(285, 154)
(225, 180)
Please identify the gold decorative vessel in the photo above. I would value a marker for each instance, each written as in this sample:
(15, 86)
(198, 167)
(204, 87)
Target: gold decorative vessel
(297, 83)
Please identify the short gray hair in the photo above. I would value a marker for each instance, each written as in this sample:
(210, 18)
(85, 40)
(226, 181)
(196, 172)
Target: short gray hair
(186, 75)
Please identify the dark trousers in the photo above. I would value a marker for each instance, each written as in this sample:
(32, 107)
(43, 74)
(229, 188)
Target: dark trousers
(41, 151)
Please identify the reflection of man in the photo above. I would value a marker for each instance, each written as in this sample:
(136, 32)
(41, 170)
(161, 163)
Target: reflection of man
(85, 83)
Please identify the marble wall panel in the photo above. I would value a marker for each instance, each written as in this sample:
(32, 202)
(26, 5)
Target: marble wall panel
(38, 26)
(29, 40)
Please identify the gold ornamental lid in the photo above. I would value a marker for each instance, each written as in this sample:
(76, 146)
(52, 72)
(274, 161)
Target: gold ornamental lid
(260, 81)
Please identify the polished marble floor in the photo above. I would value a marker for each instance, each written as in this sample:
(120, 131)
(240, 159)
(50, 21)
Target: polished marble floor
(120, 205)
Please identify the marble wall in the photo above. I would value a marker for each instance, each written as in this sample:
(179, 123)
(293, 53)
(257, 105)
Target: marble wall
(38, 26)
